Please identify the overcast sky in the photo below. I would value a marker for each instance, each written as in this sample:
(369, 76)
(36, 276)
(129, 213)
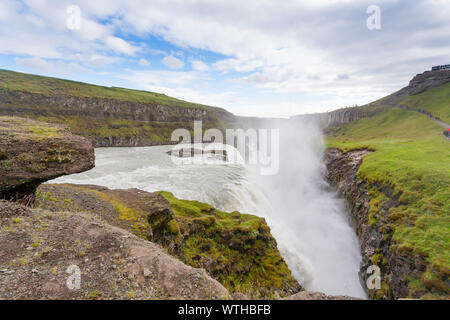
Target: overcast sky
(251, 57)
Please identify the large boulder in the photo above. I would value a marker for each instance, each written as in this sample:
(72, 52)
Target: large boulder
(32, 152)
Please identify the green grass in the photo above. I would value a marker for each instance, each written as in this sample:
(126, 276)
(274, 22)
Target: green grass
(436, 100)
(411, 156)
(43, 131)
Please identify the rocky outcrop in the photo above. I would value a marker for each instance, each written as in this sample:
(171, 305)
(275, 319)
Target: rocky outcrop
(370, 203)
(32, 152)
(338, 117)
(425, 81)
(43, 251)
(235, 249)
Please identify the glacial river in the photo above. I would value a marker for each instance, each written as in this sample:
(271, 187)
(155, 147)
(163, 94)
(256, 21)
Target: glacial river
(306, 217)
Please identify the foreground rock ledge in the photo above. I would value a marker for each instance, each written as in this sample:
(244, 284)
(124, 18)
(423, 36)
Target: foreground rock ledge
(39, 245)
(32, 152)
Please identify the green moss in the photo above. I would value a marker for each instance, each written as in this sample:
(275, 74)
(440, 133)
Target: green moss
(379, 259)
(45, 196)
(43, 131)
(93, 295)
(237, 249)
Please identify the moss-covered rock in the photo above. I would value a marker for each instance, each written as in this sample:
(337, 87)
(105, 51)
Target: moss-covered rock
(32, 152)
(236, 249)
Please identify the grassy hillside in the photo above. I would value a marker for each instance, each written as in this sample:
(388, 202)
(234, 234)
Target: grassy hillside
(411, 156)
(108, 116)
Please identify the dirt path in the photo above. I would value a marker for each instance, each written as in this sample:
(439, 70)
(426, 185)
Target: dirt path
(441, 123)
(438, 121)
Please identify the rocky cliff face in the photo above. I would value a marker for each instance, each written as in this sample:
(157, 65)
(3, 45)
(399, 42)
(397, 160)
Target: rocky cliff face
(425, 81)
(370, 204)
(19, 102)
(32, 152)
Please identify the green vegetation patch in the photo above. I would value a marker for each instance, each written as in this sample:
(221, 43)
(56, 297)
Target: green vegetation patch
(237, 249)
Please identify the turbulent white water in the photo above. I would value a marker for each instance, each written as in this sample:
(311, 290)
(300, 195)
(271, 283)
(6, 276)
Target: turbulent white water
(307, 219)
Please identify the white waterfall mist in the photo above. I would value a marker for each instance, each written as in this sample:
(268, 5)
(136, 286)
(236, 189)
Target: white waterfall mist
(307, 219)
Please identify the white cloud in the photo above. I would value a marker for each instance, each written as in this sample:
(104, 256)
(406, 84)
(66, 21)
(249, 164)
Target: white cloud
(51, 67)
(172, 62)
(238, 65)
(160, 77)
(120, 46)
(143, 62)
(199, 65)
